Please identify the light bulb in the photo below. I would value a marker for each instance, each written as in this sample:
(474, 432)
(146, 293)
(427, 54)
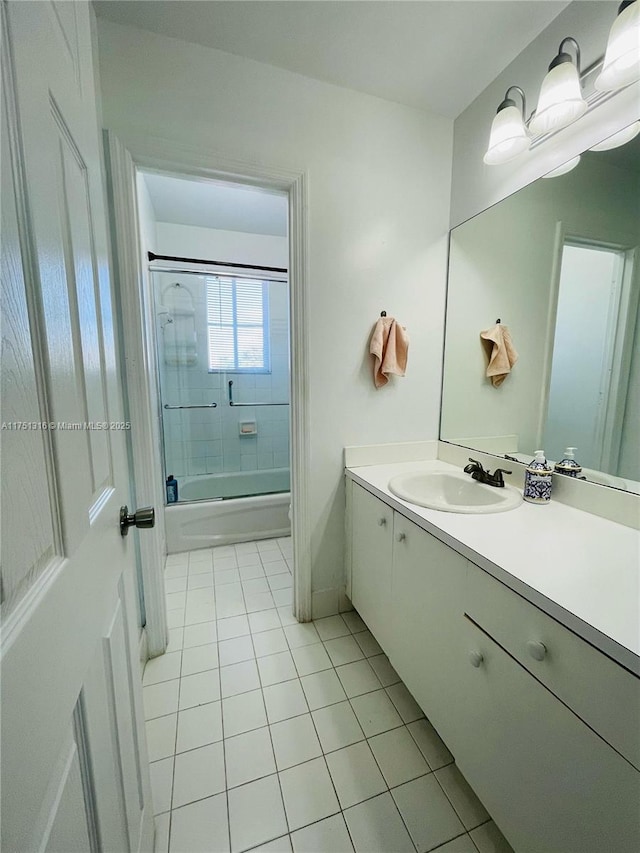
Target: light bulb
(562, 170)
(622, 57)
(620, 138)
(560, 102)
(508, 136)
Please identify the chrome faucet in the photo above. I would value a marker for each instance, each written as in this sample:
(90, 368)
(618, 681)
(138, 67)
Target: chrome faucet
(478, 473)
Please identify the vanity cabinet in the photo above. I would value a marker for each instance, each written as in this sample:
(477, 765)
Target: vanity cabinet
(545, 727)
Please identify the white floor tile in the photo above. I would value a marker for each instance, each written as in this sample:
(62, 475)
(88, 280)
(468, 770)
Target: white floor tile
(376, 713)
(353, 621)
(175, 619)
(175, 584)
(177, 571)
(199, 635)
(257, 601)
(310, 659)
(426, 811)
(283, 581)
(249, 757)
(161, 737)
(285, 612)
(375, 825)
(270, 642)
(284, 701)
(405, 704)
(199, 773)
(278, 845)
(368, 644)
(176, 638)
(163, 668)
(199, 689)
(461, 844)
(274, 566)
(265, 620)
(294, 741)
(200, 581)
(302, 634)
(322, 689)
(282, 597)
(276, 668)
(199, 726)
(199, 611)
(224, 564)
(250, 558)
(201, 827)
(270, 555)
(243, 712)
(343, 650)
(226, 576)
(358, 678)
(329, 834)
(161, 784)
(199, 658)
(383, 669)
(489, 839)
(398, 756)
(337, 726)
(234, 626)
(161, 841)
(355, 774)
(430, 744)
(160, 699)
(251, 570)
(246, 548)
(239, 678)
(176, 600)
(255, 586)
(331, 627)
(308, 793)
(256, 813)
(235, 650)
(267, 545)
(463, 799)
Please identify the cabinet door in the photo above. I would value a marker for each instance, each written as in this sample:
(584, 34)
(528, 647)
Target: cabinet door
(371, 563)
(550, 783)
(428, 581)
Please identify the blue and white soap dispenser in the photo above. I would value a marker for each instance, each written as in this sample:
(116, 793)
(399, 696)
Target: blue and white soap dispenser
(172, 489)
(568, 465)
(537, 480)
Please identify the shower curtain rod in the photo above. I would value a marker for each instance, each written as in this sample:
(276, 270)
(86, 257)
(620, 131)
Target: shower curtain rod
(153, 257)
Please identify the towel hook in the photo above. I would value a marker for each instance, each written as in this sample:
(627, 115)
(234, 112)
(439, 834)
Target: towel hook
(383, 313)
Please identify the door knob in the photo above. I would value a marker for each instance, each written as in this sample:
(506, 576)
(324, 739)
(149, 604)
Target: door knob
(400, 537)
(476, 658)
(145, 517)
(538, 651)
(382, 522)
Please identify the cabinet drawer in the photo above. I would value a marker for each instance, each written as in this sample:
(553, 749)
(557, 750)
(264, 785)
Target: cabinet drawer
(602, 693)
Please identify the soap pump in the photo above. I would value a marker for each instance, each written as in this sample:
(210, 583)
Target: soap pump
(568, 465)
(537, 480)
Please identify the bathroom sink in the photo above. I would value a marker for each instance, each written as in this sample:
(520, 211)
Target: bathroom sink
(453, 491)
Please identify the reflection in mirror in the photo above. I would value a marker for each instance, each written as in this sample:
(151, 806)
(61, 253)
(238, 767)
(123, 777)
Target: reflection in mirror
(559, 263)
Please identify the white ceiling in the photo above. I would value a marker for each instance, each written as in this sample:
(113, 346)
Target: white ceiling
(209, 204)
(427, 54)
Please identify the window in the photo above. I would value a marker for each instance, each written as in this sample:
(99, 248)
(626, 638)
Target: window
(238, 325)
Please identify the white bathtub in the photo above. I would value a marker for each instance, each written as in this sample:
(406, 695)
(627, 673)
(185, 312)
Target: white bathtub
(203, 523)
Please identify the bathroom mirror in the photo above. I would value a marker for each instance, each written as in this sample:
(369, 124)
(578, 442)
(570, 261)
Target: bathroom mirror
(558, 263)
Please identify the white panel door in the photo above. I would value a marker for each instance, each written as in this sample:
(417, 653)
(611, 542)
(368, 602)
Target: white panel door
(74, 766)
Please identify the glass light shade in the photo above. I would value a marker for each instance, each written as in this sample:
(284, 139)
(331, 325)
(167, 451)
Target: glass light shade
(508, 137)
(622, 57)
(562, 170)
(560, 101)
(620, 138)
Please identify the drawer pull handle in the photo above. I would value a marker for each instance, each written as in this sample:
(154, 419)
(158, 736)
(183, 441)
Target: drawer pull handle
(476, 658)
(382, 522)
(538, 651)
(400, 537)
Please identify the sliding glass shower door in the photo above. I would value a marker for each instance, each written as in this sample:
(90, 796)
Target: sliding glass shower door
(223, 365)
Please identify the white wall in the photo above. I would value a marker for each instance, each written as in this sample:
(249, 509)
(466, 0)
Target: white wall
(379, 185)
(214, 244)
(476, 186)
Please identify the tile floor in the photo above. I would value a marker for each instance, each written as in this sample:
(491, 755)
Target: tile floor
(269, 735)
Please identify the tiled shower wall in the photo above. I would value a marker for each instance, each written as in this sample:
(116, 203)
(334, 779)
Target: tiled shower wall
(208, 441)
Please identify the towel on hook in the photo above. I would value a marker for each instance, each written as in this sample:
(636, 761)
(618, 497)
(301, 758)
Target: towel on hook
(500, 351)
(389, 346)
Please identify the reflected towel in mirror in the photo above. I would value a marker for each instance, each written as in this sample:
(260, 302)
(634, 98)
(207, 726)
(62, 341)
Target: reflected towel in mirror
(500, 351)
(389, 347)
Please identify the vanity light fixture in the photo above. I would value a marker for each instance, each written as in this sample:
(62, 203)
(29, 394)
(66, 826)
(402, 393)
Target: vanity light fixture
(560, 102)
(562, 170)
(620, 138)
(509, 136)
(622, 57)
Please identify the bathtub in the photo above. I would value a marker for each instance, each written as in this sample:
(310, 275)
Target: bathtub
(203, 521)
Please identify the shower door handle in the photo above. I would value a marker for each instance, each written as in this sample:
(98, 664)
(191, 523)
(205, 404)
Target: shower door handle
(196, 406)
(142, 518)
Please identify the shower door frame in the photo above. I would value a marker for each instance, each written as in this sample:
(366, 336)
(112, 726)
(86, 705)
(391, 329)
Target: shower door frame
(127, 156)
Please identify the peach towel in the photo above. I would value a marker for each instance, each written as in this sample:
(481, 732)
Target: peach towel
(389, 346)
(500, 351)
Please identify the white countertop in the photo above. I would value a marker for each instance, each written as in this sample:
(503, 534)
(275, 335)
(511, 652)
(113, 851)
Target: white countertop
(581, 569)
